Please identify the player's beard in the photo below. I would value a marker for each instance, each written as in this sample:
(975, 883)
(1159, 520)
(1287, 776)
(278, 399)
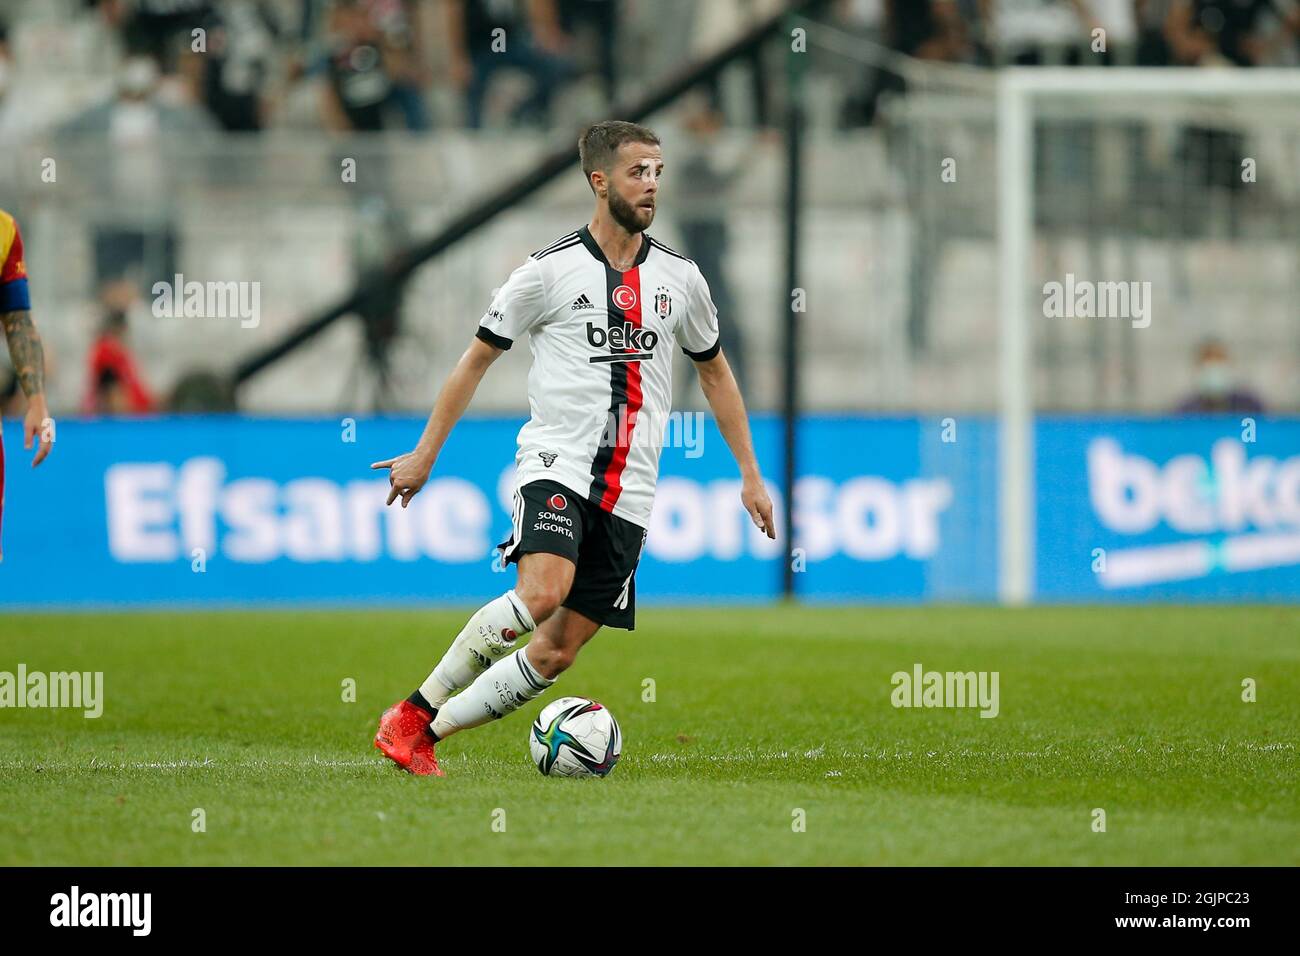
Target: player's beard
(629, 216)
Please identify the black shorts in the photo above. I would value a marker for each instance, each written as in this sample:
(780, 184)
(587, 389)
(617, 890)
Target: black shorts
(605, 549)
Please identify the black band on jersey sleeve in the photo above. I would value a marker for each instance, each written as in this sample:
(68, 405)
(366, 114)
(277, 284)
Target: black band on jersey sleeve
(707, 354)
(491, 338)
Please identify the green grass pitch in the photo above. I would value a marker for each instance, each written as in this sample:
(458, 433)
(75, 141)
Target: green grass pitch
(757, 713)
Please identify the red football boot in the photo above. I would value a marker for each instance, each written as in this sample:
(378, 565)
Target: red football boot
(404, 738)
(423, 761)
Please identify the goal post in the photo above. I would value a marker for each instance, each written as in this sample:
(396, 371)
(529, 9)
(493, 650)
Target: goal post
(1021, 94)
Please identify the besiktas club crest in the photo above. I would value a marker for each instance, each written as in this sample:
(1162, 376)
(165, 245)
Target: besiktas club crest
(663, 302)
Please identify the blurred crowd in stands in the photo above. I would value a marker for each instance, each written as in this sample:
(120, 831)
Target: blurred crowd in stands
(991, 33)
(425, 64)
(192, 67)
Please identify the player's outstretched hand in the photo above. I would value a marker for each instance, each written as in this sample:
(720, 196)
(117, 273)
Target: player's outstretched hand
(406, 475)
(38, 425)
(756, 501)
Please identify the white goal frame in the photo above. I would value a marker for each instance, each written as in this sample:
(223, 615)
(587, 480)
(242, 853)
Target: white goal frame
(1017, 90)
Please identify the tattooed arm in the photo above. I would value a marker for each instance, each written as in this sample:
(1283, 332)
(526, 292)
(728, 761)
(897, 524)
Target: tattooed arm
(29, 365)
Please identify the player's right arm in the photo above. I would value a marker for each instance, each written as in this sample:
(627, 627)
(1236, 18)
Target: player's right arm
(408, 473)
(516, 309)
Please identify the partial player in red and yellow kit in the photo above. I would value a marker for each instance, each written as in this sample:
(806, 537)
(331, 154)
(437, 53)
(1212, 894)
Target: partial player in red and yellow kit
(24, 344)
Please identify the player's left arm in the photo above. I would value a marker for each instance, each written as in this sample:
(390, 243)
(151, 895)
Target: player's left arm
(29, 365)
(24, 341)
(720, 388)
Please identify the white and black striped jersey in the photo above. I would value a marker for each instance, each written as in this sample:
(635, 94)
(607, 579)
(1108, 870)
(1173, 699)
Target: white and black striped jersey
(600, 386)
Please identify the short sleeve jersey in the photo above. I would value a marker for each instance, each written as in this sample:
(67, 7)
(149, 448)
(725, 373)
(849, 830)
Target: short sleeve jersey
(600, 386)
(13, 270)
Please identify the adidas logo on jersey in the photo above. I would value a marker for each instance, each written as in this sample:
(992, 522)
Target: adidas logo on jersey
(581, 302)
(628, 342)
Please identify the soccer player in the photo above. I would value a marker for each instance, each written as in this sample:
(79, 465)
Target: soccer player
(24, 344)
(601, 306)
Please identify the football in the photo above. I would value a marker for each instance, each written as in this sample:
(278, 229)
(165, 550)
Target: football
(575, 737)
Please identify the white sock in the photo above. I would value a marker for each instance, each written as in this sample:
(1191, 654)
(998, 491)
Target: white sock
(487, 636)
(502, 689)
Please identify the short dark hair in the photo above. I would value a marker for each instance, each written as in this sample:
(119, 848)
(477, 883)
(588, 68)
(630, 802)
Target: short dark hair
(599, 143)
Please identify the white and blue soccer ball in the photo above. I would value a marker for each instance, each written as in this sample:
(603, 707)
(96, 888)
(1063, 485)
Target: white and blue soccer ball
(575, 737)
